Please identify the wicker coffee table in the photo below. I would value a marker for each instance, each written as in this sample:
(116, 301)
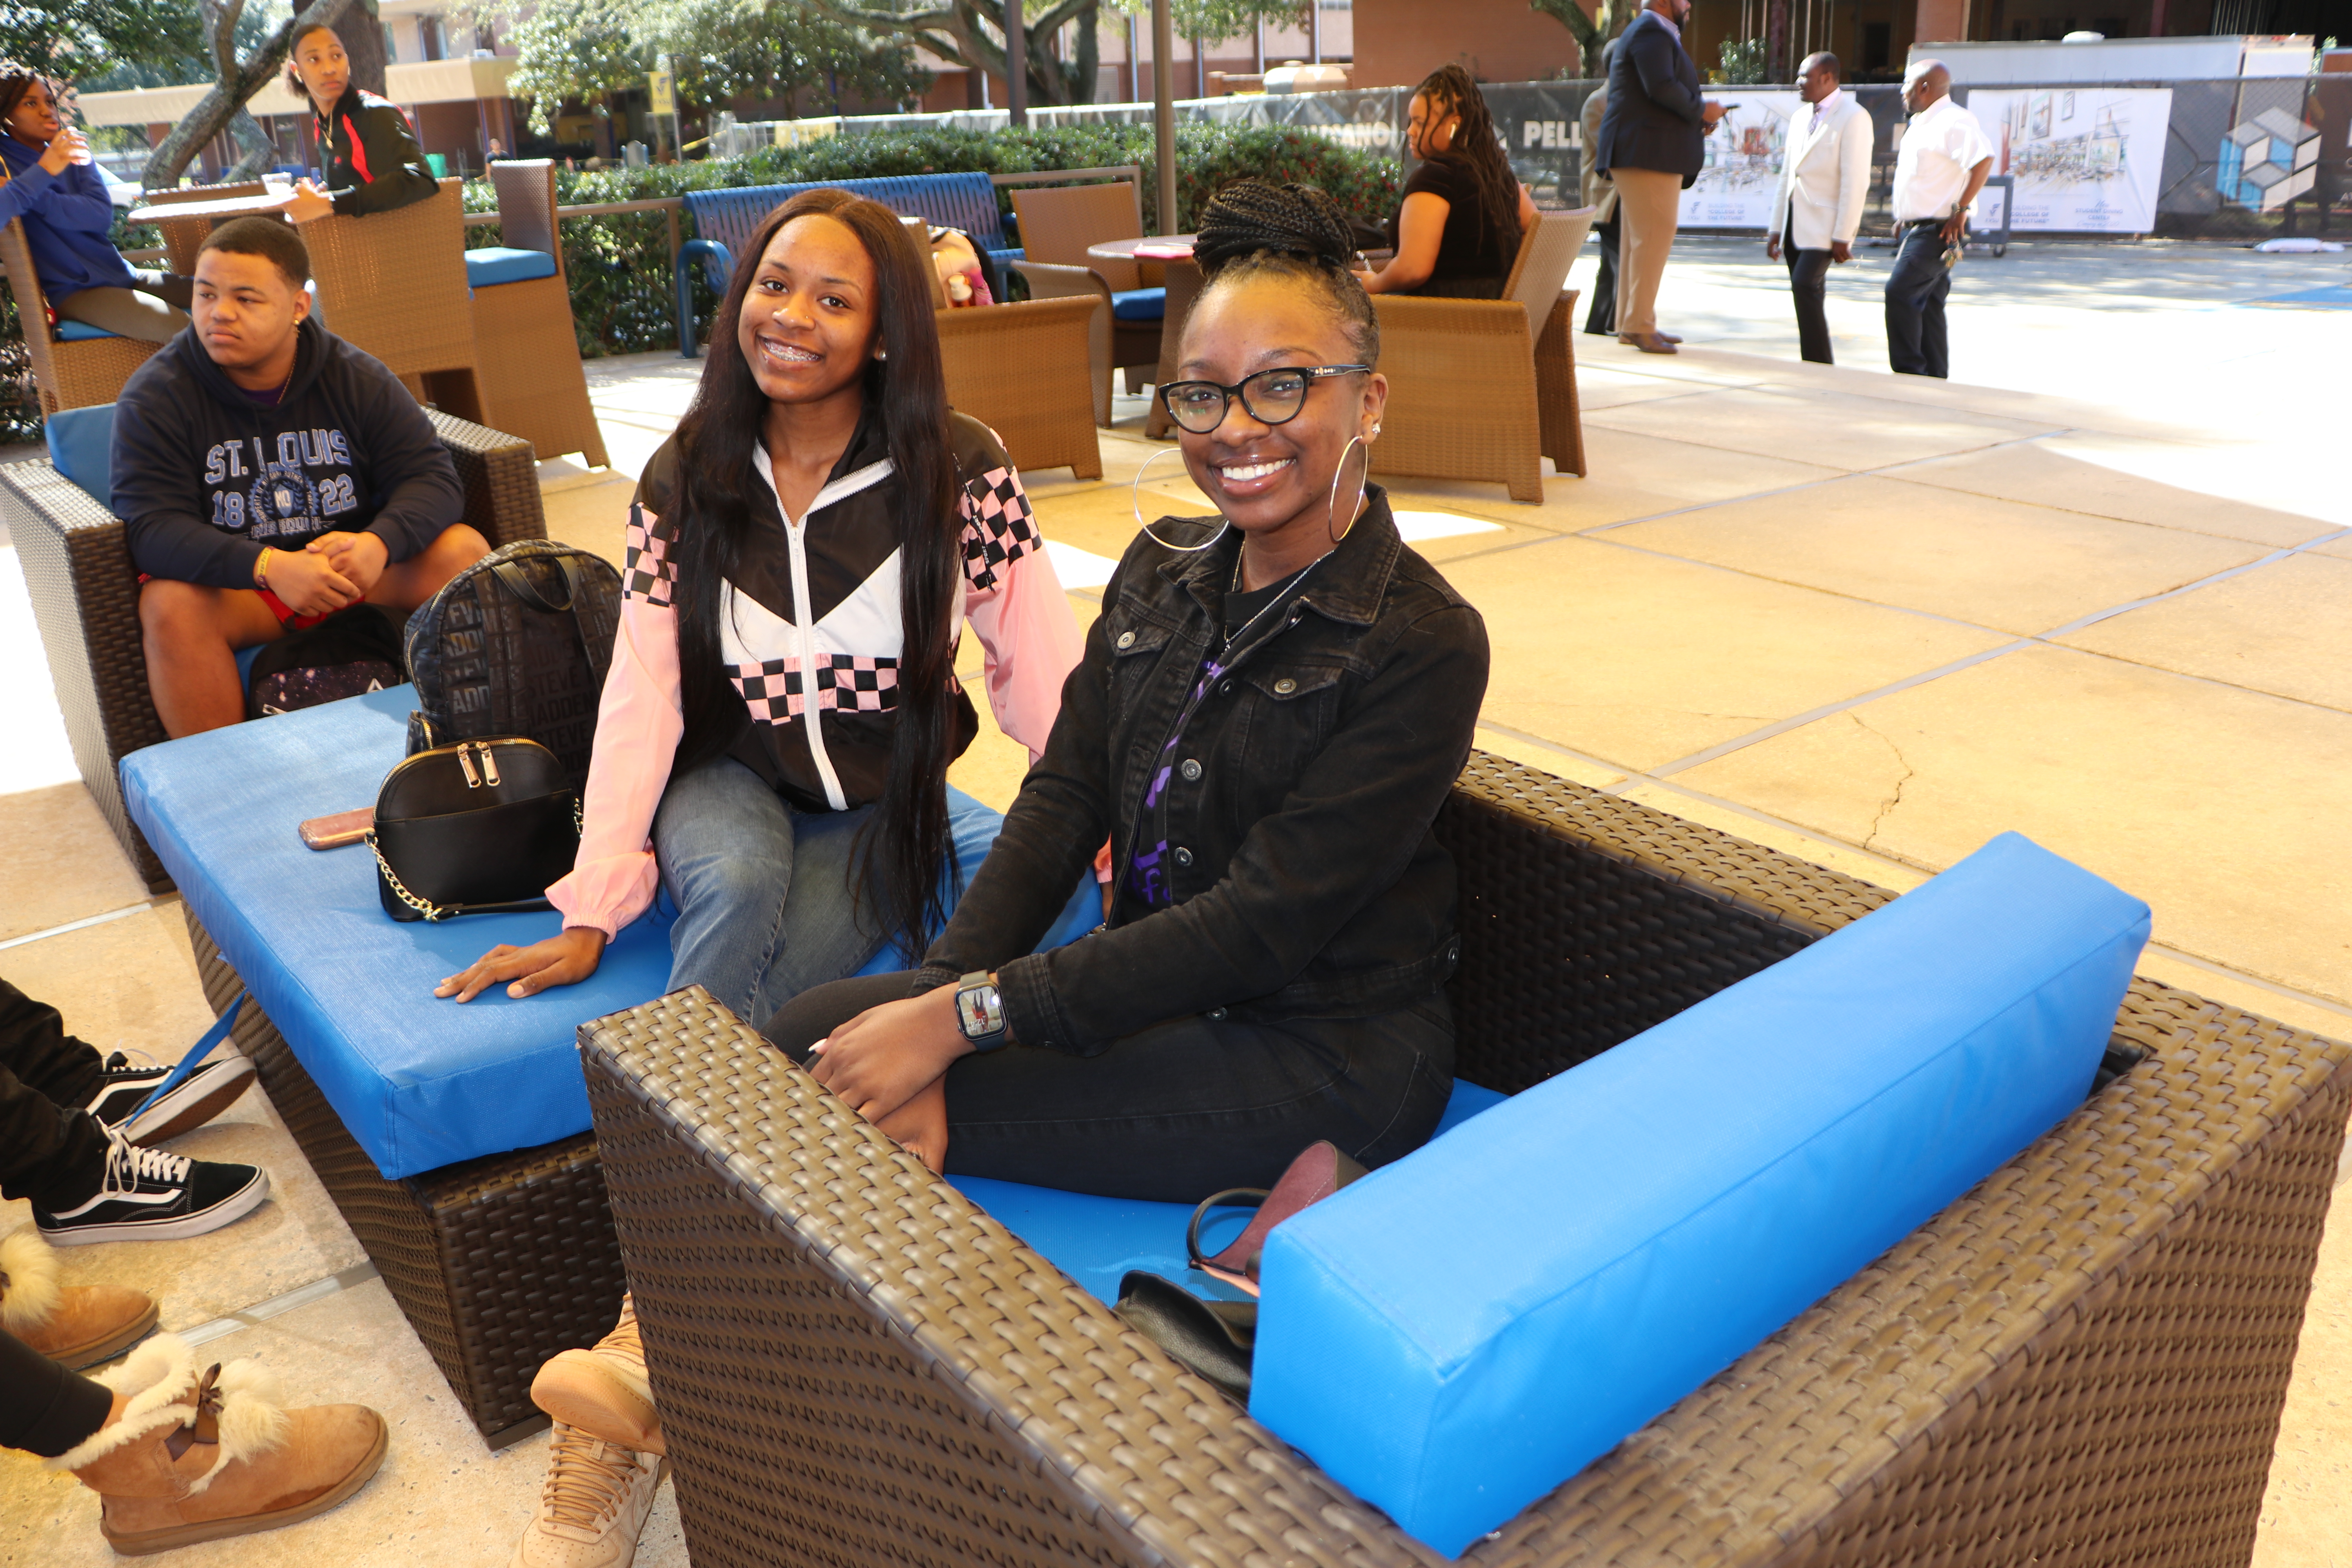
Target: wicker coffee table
(2081, 1361)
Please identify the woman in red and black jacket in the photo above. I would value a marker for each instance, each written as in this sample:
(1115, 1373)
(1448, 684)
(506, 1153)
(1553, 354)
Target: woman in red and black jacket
(371, 159)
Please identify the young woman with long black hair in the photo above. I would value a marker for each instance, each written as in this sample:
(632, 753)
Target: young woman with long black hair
(773, 740)
(1459, 217)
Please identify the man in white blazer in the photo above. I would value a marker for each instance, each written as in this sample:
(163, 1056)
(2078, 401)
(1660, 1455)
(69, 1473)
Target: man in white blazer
(1824, 177)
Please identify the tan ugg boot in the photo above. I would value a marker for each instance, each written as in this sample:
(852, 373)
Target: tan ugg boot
(196, 1457)
(81, 1325)
(604, 1392)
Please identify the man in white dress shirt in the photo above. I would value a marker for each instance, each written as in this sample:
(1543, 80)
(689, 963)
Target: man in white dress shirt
(1938, 170)
(1824, 177)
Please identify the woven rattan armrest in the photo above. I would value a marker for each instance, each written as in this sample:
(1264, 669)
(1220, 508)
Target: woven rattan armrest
(1056, 280)
(500, 476)
(2080, 1360)
(85, 595)
(1462, 392)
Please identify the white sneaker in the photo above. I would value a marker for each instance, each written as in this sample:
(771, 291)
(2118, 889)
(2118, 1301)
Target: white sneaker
(593, 1507)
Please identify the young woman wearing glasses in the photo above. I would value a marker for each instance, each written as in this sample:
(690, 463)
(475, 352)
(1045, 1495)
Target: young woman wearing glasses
(1270, 710)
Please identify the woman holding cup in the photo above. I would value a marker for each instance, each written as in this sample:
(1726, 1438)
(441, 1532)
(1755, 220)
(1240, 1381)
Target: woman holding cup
(53, 186)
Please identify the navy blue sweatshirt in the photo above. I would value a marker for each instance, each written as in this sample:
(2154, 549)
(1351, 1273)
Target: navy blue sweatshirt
(205, 478)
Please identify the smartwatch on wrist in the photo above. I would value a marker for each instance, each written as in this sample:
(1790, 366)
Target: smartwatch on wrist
(979, 1011)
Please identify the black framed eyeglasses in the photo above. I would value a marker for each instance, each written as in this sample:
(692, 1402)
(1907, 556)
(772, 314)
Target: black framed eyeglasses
(1271, 397)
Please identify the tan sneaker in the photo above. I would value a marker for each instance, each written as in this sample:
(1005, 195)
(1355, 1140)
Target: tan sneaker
(193, 1456)
(604, 1392)
(81, 1325)
(594, 1505)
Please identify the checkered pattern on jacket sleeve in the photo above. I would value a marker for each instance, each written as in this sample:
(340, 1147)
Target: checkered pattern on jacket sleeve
(847, 683)
(648, 574)
(999, 528)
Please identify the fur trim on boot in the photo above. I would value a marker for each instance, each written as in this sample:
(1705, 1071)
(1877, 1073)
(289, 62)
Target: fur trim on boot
(28, 1282)
(239, 1402)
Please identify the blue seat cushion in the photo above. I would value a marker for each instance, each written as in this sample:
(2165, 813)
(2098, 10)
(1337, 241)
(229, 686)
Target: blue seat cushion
(1138, 304)
(493, 264)
(419, 1082)
(81, 332)
(1096, 1240)
(1456, 1334)
(82, 447)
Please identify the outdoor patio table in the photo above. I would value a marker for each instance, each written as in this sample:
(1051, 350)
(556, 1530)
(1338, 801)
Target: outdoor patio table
(1181, 275)
(261, 206)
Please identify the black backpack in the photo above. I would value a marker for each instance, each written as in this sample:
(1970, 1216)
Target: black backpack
(517, 644)
(350, 652)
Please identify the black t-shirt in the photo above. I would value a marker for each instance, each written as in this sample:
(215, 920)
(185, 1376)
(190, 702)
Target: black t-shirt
(1245, 606)
(1460, 255)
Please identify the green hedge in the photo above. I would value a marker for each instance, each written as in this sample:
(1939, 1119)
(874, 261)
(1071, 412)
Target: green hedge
(620, 265)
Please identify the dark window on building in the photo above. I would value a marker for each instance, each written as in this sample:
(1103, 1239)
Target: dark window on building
(1877, 46)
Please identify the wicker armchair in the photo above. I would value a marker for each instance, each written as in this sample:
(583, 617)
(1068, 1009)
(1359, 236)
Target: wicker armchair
(86, 601)
(393, 283)
(1020, 370)
(2080, 1361)
(533, 384)
(1485, 389)
(81, 374)
(1058, 223)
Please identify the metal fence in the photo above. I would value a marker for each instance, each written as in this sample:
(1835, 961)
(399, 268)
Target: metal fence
(2244, 159)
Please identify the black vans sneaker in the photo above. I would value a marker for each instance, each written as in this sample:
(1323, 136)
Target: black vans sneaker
(149, 1196)
(202, 1095)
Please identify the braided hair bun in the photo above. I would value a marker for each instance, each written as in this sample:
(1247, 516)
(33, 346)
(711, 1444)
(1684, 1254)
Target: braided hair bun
(1255, 227)
(1253, 215)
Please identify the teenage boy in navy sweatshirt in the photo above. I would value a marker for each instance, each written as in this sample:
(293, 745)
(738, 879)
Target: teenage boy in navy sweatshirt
(269, 474)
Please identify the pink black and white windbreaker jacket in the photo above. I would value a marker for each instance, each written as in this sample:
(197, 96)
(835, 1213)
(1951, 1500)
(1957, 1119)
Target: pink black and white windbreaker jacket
(821, 595)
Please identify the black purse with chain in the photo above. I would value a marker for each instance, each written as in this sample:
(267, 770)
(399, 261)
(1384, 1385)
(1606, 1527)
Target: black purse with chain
(480, 828)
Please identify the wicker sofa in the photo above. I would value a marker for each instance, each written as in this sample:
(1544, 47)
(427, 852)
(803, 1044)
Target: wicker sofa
(2081, 1361)
(85, 600)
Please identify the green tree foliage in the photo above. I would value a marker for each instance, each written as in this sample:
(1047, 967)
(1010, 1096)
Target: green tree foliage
(1591, 32)
(1211, 20)
(591, 50)
(1743, 61)
(970, 33)
(89, 41)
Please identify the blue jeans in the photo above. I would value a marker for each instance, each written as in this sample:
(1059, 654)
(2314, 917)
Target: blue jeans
(765, 908)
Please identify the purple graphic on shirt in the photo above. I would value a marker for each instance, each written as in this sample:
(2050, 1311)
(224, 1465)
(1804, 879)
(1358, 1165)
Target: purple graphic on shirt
(1144, 875)
(1151, 795)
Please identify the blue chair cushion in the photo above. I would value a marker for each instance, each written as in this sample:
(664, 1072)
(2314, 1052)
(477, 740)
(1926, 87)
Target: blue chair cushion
(494, 264)
(81, 332)
(419, 1082)
(1459, 1333)
(1138, 304)
(81, 446)
(1096, 1240)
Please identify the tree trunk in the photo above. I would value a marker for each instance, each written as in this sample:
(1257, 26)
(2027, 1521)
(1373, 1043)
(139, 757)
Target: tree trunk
(1089, 66)
(236, 83)
(361, 30)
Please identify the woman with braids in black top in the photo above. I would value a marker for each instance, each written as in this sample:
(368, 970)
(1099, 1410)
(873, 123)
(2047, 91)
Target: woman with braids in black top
(1458, 222)
(1269, 712)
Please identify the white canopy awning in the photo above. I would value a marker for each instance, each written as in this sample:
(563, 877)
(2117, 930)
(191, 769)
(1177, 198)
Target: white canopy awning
(421, 81)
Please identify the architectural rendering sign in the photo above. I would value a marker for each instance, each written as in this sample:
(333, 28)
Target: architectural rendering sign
(1743, 161)
(2086, 158)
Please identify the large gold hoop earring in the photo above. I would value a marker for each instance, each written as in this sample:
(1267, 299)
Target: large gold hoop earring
(1135, 503)
(1331, 517)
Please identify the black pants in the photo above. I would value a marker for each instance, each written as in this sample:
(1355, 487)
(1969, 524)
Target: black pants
(50, 1152)
(1916, 344)
(46, 1407)
(1179, 1111)
(1603, 317)
(1808, 280)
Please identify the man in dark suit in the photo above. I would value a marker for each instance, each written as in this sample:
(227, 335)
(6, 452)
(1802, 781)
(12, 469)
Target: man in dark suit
(1652, 147)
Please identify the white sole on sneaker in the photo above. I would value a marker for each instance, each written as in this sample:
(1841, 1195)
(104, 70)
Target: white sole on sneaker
(209, 1090)
(179, 1227)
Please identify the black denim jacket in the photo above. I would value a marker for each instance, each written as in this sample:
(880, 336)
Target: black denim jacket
(1306, 879)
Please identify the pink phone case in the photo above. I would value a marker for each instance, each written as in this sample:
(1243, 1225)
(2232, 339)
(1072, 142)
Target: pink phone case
(343, 827)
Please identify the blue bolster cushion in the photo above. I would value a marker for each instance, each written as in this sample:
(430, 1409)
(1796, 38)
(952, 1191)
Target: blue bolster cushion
(1138, 304)
(70, 332)
(494, 264)
(1455, 1335)
(81, 447)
